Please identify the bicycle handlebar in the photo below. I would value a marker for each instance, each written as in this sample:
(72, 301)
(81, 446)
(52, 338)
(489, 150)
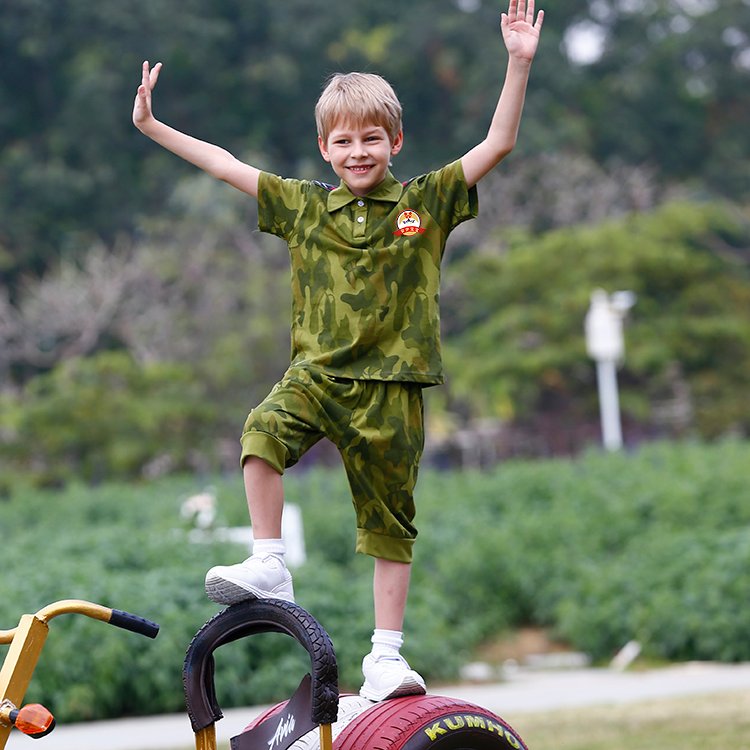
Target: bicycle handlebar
(134, 623)
(116, 617)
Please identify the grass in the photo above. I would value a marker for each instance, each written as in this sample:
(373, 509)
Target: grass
(717, 720)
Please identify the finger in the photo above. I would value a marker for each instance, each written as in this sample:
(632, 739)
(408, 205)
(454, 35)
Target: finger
(530, 12)
(142, 97)
(154, 75)
(144, 72)
(512, 9)
(521, 14)
(539, 20)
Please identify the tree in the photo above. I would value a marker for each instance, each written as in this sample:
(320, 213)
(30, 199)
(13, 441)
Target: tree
(516, 349)
(667, 86)
(666, 90)
(70, 313)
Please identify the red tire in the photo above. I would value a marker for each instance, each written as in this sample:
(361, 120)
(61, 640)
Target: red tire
(423, 722)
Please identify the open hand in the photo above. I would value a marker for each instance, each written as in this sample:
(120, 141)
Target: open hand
(142, 106)
(520, 31)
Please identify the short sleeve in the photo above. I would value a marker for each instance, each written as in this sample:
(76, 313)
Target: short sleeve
(280, 202)
(447, 197)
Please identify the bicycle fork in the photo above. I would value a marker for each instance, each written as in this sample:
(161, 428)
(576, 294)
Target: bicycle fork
(26, 643)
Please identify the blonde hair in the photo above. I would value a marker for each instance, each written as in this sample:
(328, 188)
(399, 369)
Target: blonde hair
(358, 99)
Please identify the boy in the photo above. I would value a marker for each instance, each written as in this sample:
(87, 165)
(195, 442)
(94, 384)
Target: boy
(365, 325)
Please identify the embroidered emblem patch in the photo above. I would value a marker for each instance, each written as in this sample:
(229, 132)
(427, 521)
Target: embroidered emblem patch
(408, 222)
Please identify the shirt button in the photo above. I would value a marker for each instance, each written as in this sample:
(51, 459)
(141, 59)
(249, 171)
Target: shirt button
(360, 219)
(360, 203)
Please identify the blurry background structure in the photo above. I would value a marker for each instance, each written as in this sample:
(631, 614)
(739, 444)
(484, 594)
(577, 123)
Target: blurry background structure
(605, 343)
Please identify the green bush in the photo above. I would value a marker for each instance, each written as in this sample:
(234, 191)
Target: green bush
(677, 593)
(652, 545)
(103, 417)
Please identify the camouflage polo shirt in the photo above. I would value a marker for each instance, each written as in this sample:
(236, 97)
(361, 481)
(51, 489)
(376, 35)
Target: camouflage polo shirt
(366, 271)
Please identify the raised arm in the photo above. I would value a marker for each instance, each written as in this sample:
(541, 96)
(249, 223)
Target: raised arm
(521, 36)
(212, 159)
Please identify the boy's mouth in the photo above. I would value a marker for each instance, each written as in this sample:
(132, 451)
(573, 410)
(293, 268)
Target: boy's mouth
(360, 168)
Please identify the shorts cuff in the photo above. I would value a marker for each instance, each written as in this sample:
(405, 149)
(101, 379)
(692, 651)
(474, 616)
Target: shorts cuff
(266, 446)
(384, 547)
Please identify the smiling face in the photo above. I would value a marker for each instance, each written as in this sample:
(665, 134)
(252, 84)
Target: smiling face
(360, 154)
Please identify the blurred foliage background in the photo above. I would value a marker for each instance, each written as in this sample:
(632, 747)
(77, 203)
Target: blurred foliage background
(135, 293)
(596, 551)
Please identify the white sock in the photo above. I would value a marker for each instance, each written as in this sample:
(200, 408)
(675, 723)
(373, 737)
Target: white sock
(386, 643)
(265, 547)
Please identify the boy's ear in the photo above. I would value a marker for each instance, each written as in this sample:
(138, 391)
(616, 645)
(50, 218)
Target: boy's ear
(398, 143)
(323, 149)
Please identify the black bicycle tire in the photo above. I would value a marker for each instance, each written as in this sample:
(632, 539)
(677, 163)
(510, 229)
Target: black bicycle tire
(249, 618)
(428, 722)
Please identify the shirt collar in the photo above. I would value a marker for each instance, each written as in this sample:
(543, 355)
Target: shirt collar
(390, 189)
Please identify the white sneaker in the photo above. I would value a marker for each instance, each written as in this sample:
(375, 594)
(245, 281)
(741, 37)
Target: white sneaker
(255, 578)
(389, 677)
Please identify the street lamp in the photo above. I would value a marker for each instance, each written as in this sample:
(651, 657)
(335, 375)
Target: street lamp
(605, 344)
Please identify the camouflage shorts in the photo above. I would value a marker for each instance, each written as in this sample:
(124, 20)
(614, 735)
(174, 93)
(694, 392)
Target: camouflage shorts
(377, 427)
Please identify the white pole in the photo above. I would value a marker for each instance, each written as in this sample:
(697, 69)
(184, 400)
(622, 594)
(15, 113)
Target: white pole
(609, 404)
